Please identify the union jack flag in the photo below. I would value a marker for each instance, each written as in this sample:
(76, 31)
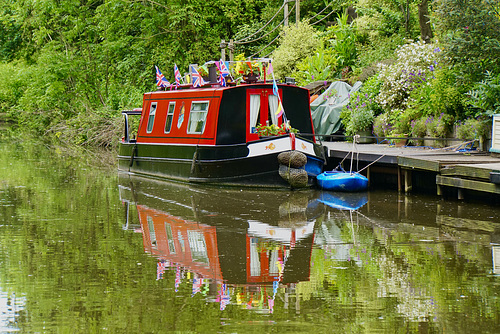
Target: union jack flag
(224, 72)
(161, 81)
(197, 79)
(223, 69)
(177, 75)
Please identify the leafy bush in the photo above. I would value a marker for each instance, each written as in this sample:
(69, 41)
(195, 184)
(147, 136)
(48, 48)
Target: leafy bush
(473, 128)
(343, 41)
(439, 127)
(469, 32)
(440, 94)
(381, 125)
(413, 68)
(486, 95)
(357, 116)
(418, 127)
(319, 66)
(297, 43)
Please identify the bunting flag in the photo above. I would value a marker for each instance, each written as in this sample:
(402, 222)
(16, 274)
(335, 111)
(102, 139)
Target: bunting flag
(197, 79)
(249, 63)
(177, 75)
(270, 69)
(223, 69)
(224, 72)
(222, 80)
(161, 81)
(275, 88)
(279, 110)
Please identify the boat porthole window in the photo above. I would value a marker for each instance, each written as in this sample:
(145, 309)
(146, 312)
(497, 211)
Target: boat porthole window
(170, 117)
(197, 117)
(151, 118)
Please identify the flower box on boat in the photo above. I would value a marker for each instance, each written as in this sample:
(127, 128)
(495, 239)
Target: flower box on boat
(208, 135)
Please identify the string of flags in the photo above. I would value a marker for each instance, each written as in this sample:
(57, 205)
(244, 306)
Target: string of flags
(239, 67)
(223, 70)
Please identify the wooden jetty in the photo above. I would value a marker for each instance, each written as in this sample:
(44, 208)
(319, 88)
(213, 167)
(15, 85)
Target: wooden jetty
(442, 169)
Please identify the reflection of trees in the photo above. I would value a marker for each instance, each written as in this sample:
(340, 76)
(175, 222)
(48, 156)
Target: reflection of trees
(404, 274)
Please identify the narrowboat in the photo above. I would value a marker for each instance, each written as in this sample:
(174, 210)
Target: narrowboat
(210, 135)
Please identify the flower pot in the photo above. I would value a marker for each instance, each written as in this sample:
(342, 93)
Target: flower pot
(363, 137)
(400, 142)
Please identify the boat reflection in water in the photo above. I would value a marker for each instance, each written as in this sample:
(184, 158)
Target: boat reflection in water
(233, 246)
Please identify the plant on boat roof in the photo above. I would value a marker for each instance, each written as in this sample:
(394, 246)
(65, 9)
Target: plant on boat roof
(274, 130)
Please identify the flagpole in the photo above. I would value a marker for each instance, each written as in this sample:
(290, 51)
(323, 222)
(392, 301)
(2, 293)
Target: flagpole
(279, 98)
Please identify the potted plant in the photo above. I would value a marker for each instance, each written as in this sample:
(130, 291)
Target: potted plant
(438, 127)
(418, 130)
(473, 129)
(382, 126)
(358, 120)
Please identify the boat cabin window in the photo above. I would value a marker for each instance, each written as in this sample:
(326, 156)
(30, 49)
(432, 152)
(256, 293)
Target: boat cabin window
(151, 118)
(254, 111)
(197, 117)
(152, 233)
(170, 117)
(170, 238)
(273, 107)
(262, 105)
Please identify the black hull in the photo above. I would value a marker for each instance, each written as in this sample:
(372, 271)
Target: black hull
(227, 165)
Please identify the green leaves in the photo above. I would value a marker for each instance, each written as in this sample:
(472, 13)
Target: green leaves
(486, 95)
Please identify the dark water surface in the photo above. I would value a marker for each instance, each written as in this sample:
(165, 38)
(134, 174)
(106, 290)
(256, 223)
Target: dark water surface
(84, 249)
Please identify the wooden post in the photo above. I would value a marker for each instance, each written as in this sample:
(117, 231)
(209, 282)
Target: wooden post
(368, 175)
(461, 194)
(231, 49)
(223, 46)
(408, 183)
(297, 12)
(400, 186)
(285, 14)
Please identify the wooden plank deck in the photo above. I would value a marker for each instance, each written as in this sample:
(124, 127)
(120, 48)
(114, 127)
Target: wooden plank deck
(461, 170)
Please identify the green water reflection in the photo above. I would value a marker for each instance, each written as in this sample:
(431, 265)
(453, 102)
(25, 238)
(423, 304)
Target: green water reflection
(87, 250)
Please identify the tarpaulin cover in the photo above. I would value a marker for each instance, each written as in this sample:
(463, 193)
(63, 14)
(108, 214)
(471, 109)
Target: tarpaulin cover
(326, 108)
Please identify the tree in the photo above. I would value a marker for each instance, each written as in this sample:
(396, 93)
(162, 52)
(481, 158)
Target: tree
(424, 21)
(468, 30)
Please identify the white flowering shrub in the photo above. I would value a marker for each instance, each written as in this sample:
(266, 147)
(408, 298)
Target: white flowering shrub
(414, 67)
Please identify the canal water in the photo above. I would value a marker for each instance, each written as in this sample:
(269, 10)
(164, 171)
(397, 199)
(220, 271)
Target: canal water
(84, 249)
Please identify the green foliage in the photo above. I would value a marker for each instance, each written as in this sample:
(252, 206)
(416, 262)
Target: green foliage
(418, 127)
(468, 31)
(439, 126)
(413, 68)
(343, 41)
(381, 125)
(357, 116)
(297, 43)
(319, 66)
(485, 95)
(381, 50)
(387, 18)
(473, 128)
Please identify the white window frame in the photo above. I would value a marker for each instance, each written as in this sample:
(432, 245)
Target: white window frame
(170, 112)
(151, 116)
(203, 113)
